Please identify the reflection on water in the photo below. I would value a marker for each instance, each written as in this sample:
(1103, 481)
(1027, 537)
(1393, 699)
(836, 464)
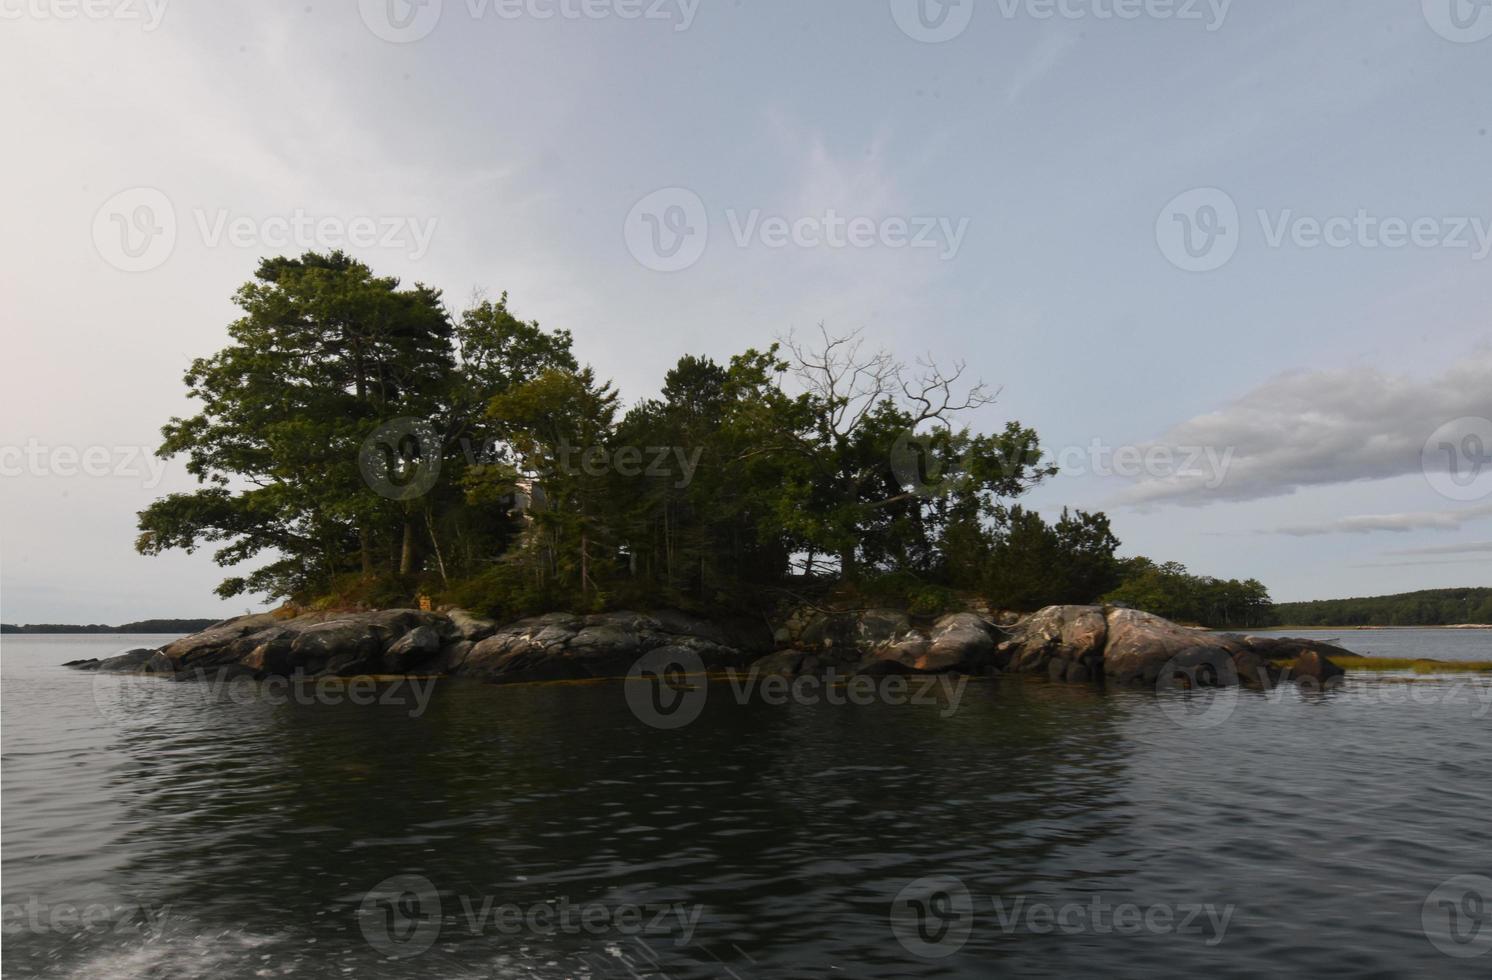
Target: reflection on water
(241, 839)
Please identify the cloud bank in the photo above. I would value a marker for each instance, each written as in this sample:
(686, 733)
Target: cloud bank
(1320, 428)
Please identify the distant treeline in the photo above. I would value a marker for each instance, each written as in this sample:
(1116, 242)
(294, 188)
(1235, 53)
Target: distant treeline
(1171, 591)
(1433, 607)
(143, 626)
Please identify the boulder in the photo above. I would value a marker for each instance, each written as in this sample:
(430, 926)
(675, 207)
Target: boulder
(561, 646)
(452, 657)
(1312, 667)
(1129, 648)
(271, 655)
(212, 643)
(470, 627)
(129, 661)
(414, 647)
(1061, 643)
(901, 655)
(345, 646)
(1071, 635)
(876, 627)
(1141, 645)
(959, 641)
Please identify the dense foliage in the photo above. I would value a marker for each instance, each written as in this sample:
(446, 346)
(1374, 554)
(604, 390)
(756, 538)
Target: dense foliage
(1171, 591)
(357, 443)
(528, 484)
(1434, 607)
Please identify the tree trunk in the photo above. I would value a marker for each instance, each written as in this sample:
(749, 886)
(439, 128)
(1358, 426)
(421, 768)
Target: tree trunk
(408, 556)
(440, 561)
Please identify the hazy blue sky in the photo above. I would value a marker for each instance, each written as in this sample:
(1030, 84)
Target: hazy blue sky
(1067, 198)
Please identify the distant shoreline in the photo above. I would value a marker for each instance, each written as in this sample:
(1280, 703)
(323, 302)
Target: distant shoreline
(142, 626)
(1447, 626)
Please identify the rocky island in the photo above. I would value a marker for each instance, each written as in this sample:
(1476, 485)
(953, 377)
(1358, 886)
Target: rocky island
(1073, 644)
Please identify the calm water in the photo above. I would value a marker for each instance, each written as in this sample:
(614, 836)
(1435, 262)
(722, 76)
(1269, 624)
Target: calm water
(240, 837)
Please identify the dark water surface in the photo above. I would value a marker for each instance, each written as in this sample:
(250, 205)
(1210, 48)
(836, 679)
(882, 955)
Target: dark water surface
(780, 837)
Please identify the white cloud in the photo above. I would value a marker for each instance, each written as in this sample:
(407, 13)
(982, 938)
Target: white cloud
(1320, 428)
(1448, 549)
(1452, 520)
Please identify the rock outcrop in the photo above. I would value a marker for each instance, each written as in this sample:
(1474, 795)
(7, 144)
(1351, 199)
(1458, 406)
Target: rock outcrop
(411, 641)
(1129, 648)
(140, 659)
(561, 646)
(882, 641)
(1074, 644)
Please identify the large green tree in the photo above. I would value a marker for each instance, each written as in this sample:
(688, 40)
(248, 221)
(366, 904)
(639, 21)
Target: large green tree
(334, 382)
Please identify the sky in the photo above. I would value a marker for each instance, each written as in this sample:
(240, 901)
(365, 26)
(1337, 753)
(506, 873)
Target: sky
(1230, 260)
